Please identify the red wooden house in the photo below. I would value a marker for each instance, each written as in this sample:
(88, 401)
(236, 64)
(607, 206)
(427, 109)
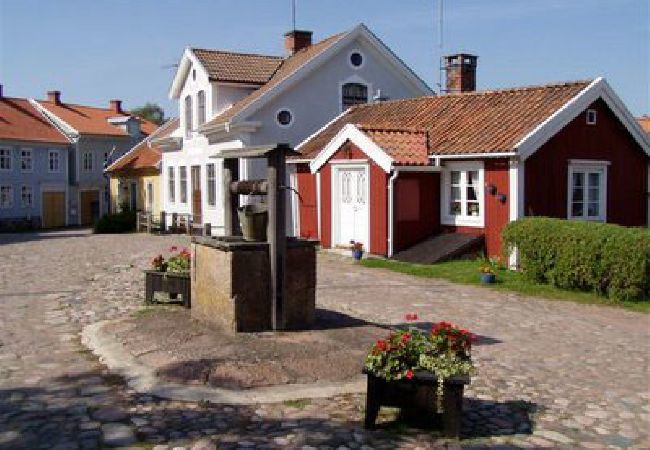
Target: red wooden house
(393, 173)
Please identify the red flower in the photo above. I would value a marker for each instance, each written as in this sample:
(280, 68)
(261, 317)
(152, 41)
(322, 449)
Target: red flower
(411, 317)
(409, 374)
(173, 248)
(381, 345)
(406, 337)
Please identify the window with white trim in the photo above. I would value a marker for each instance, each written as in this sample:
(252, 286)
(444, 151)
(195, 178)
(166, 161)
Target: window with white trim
(26, 196)
(200, 100)
(87, 161)
(212, 184)
(353, 94)
(6, 196)
(182, 175)
(587, 191)
(171, 185)
(53, 163)
(188, 117)
(5, 159)
(26, 161)
(462, 199)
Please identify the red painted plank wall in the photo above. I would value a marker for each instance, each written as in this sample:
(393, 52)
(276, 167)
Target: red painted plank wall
(416, 208)
(546, 171)
(377, 196)
(308, 207)
(497, 214)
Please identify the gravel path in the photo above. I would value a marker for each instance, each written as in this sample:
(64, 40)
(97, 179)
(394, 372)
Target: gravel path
(552, 374)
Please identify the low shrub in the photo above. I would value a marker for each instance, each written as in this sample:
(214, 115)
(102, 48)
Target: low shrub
(610, 260)
(122, 222)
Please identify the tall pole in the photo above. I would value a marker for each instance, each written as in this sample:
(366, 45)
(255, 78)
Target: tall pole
(293, 14)
(440, 43)
(277, 232)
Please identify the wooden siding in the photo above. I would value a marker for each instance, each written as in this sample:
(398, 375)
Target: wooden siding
(378, 200)
(497, 214)
(546, 171)
(420, 219)
(308, 207)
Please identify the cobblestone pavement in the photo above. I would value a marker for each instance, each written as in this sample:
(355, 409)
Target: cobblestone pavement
(552, 374)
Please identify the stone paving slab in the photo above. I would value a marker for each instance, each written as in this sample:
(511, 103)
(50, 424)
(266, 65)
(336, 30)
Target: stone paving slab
(551, 374)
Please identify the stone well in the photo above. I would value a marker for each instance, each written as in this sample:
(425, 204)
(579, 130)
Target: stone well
(231, 284)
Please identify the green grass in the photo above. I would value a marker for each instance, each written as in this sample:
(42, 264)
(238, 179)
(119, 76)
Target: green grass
(299, 404)
(466, 272)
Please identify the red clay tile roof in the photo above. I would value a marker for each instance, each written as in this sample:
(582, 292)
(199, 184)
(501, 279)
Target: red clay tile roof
(237, 67)
(21, 121)
(473, 122)
(145, 155)
(287, 67)
(645, 123)
(404, 146)
(90, 119)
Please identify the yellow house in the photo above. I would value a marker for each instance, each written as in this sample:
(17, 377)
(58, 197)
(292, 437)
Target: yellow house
(135, 177)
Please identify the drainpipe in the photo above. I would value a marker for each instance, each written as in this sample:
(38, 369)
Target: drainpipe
(391, 182)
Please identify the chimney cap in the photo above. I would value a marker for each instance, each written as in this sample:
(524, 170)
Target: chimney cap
(299, 32)
(464, 59)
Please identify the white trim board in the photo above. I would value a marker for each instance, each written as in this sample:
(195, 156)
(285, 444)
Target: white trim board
(598, 89)
(351, 133)
(360, 31)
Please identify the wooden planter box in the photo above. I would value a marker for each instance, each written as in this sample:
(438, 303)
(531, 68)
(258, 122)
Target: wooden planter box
(174, 283)
(417, 401)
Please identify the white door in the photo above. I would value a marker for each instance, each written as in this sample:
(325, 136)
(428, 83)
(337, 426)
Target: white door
(352, 193)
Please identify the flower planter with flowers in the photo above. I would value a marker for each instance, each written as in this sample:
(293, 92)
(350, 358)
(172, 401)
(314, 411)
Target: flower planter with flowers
(488, 271)
(423, 374)
(357, 250)
(171, 276)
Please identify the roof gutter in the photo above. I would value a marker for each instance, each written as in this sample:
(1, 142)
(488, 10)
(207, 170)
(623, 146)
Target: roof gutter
(217, 132)
(473, 155)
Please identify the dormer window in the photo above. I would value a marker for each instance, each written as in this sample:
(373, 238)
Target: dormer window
(200, 100)
(188, 117)
(353, 94)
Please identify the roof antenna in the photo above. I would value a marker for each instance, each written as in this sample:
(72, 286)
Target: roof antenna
(293, 14)
(441, 67)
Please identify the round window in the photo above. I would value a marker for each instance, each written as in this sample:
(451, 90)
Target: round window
(356, 59)
(284, 117)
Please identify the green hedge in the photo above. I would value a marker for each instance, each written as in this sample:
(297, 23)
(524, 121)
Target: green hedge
(122, 222)
(610, 260)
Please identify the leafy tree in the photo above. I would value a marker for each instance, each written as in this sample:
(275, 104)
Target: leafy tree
(151, 112)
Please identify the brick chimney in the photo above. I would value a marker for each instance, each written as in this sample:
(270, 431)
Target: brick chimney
(296, 40)
(54, 97)
(116, 106)
(461, 72)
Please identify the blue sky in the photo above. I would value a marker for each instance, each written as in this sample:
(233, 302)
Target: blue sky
(101, 49)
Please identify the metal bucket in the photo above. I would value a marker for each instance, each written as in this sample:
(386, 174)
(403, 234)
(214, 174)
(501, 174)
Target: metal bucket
(253, 220)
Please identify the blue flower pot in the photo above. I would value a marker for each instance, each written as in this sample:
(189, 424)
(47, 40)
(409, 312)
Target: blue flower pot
(488, 278)
(357, 254)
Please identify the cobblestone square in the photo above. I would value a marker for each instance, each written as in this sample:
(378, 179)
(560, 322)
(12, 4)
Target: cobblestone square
(551, 374)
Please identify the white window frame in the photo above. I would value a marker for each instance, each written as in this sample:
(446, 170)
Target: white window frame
(445, 189)
(591, 117)
(10, 198)
(57, 154)
(86, 157)
(22, 196)
(201, 111)
(29, 152)
(291, 117)
(182, 180)
(354, 79)
(211, 184)
(171, 184)
(586, 167)
(188, 121)
(8, 157)
(363, 58)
